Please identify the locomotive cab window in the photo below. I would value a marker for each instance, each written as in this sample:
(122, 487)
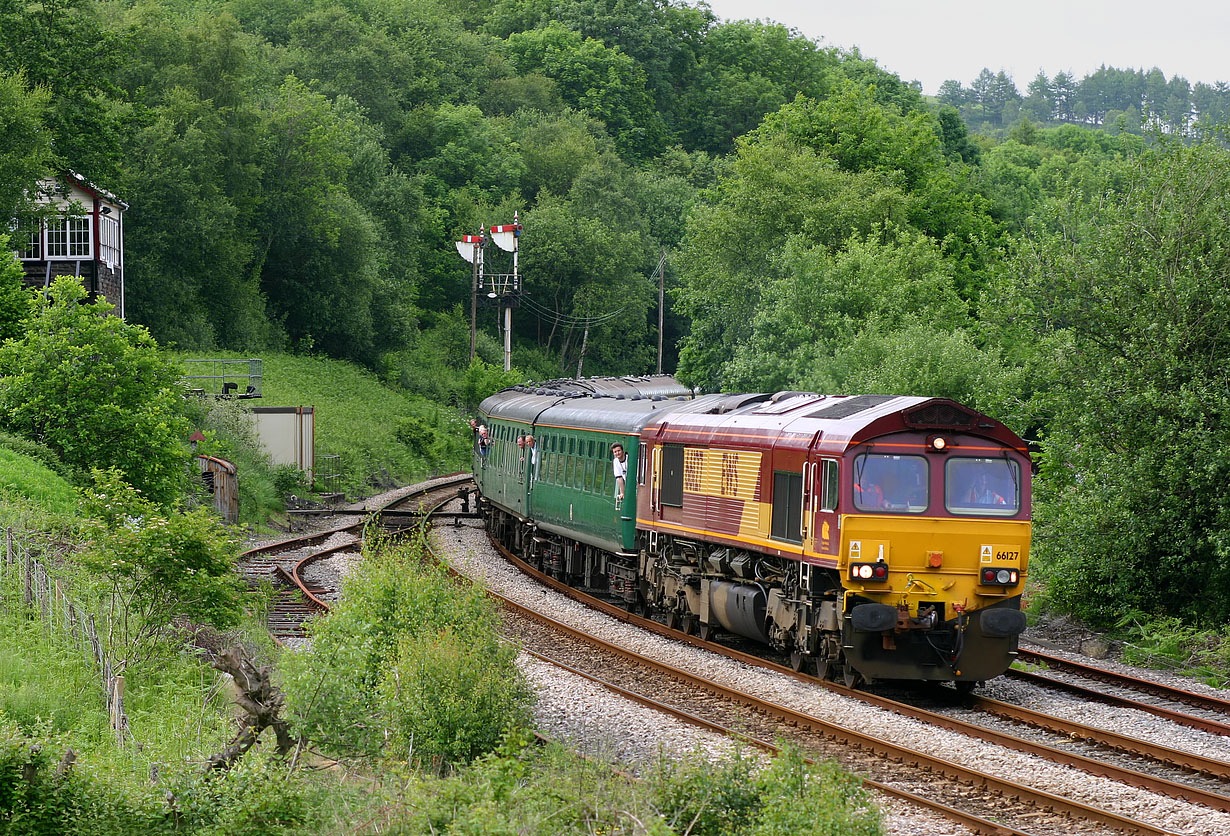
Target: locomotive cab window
(890, 484)
(787, 507)
(829, 486)
(982, 487)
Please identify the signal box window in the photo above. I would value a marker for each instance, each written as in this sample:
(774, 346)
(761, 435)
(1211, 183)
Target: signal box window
(787, 507)
(982, 487)
(672, 475)
(890, 484)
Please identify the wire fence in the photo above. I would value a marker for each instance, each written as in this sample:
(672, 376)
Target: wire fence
(27, 586)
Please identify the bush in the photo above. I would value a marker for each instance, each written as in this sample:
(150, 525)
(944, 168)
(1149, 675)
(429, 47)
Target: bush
(95, 390)
(788, 797)
(157, 565)
(408, 666)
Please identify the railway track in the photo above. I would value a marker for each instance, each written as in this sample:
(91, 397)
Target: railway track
(1175, 704)
(299, 591)
(1035, 805)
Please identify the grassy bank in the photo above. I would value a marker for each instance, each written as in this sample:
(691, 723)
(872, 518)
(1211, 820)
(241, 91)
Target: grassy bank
(382, 435)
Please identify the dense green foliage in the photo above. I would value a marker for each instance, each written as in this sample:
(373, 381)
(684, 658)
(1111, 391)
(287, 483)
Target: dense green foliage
(95, 390)
(1122, 300)
(409, 666)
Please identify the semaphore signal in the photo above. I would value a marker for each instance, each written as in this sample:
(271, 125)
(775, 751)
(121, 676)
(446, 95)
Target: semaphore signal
(503, 289)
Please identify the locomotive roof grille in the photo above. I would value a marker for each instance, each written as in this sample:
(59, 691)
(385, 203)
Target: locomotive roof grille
(940, 415)
(852, 406)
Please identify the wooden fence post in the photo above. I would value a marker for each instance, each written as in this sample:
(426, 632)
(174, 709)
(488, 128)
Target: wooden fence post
(118, 720)
(27, 573)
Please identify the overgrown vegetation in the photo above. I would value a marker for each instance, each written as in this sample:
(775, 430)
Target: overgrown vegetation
(73, 360)
(408, 667)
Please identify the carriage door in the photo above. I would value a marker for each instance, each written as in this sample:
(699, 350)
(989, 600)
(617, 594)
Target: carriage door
(520, 467)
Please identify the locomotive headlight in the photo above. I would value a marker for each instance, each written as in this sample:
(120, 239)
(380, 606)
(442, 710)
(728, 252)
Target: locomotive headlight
(1001, 577)
(937, 444)
(876, 572)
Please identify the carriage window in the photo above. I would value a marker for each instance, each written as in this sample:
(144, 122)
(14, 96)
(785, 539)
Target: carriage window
(982, 486)
(787, 507)
(672, 475)
(589, 475)
(891, 484)
(640, 465)
(829, 486)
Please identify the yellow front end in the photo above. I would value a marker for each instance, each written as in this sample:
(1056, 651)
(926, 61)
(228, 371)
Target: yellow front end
(935, 580)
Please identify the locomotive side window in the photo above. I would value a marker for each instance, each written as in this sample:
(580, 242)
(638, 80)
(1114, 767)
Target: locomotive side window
(890, 484)
(640, 465)
(829, 486)
(982, 486)
(787, 507)
(672, 475)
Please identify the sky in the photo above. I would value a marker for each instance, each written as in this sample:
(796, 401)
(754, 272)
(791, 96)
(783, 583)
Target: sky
(934, 40)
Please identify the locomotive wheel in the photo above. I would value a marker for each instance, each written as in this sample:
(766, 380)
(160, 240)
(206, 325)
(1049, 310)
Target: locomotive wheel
(824, 670)
(672, 620)
(851, 677)
(706, 631)
(797, 661)
(689, 625)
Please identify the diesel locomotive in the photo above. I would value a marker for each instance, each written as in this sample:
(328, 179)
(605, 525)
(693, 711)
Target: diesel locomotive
(867, 537)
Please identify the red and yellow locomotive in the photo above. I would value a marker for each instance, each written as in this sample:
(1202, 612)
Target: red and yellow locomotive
(869, 537)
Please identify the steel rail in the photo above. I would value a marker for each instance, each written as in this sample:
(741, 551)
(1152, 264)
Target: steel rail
(1201, 723)
(952, 770)
(973, 822)
(1204, 701)
(1093, 734)
(294, 575)
(1133, 777)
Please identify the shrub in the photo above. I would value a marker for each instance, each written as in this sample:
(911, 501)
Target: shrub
(94, 389)
(788, 797)
(408, 665)
(157, 565)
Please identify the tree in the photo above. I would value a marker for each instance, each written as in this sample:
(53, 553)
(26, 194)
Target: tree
(96, 391)
(1039, 103)
(952, 93)
(25, 142)
(156, 566)
(597, 79)
(13, 302)
(1121, 297)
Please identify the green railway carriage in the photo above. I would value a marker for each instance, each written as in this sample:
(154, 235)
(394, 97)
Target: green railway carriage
(564, 486)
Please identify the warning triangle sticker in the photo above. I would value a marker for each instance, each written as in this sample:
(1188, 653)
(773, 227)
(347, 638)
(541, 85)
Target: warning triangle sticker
(986, 554)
